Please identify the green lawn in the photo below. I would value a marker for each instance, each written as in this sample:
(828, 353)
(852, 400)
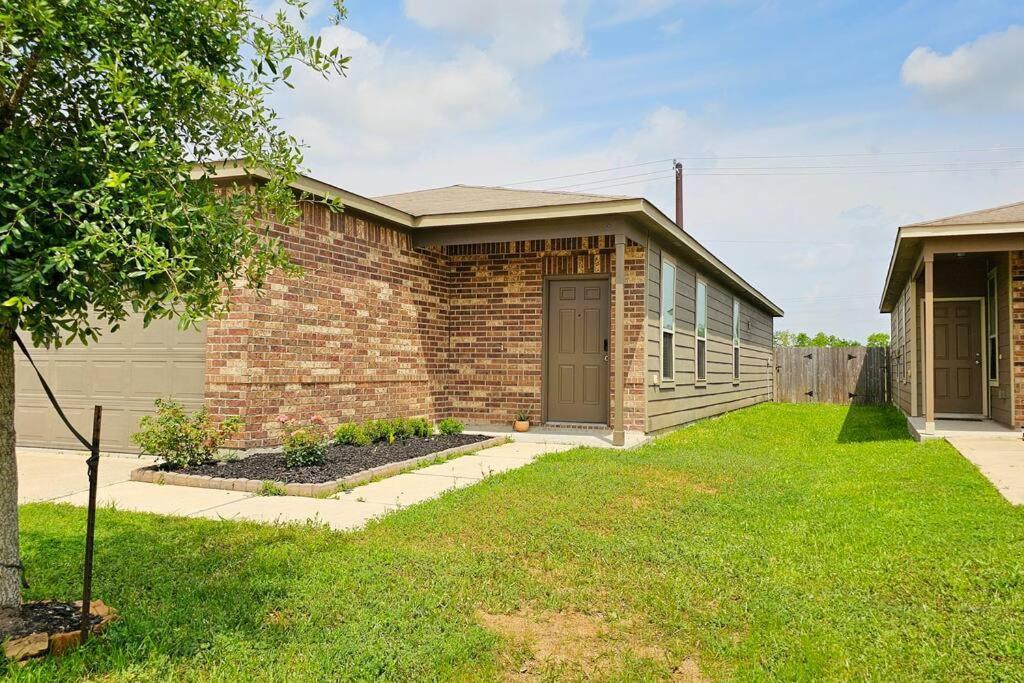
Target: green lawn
(793, 542)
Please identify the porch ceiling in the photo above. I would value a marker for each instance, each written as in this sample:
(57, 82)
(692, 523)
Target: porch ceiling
(916, 242)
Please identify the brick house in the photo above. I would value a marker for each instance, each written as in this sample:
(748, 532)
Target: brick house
(468, 302)
(955, 295)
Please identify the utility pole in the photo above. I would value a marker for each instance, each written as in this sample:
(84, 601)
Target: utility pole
(679, 192)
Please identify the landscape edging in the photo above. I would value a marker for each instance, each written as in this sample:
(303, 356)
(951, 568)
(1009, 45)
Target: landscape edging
(153, 475)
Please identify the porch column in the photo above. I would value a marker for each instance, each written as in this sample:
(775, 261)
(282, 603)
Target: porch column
(929, 345)
(618, 431)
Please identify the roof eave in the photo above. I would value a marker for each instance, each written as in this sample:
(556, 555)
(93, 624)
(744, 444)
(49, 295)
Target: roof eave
(230, 169)
(660, 220)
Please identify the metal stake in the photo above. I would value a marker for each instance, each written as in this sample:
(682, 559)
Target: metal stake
(93, 464)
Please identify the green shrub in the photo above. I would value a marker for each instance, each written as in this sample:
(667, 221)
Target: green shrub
(351, 434)
(182, 439)
(378, 431)
(401, 428)
(304, 445)
(450, 426)
(421, 427)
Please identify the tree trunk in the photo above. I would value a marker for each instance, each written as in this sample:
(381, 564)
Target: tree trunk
(10, 555)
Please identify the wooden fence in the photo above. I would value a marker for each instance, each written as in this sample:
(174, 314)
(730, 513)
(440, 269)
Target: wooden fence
(843, 375)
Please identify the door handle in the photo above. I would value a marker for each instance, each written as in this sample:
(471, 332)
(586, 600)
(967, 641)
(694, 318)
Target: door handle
(606, 358)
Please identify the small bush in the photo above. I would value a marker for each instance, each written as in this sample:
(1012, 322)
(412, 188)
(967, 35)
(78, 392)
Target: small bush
(304, 445)
(379, 431)
(401, 428)
(182, 439)
(351, 434)
(450, 426)
(421, 427)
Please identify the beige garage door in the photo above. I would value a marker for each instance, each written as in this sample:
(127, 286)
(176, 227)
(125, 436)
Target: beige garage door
(124, 372)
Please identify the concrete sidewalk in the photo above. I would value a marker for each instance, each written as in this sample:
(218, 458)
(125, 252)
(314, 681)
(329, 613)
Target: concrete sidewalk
(60, 477)
(1001, 460)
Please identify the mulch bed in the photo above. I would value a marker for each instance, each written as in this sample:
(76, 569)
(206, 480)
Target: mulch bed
(46, 617)
(341, 461)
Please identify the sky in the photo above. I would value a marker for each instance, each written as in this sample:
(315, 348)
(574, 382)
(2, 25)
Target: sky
(809, 130)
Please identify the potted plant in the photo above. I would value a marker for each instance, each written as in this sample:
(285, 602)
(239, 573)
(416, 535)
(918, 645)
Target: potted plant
(522, 422)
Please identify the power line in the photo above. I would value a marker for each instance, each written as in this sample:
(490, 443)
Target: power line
(717, 169)
(777, 175)
(691, 157)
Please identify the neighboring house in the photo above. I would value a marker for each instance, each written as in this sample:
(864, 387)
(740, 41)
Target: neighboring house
(955, 292)
(470, 302)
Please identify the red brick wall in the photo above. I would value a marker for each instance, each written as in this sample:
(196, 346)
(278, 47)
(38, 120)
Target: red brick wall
(1017, 333)
(376, 328)
(363, 332)
(496, 312)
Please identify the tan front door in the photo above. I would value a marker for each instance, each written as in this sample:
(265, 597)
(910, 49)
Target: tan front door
(958, 377)
(577, 351)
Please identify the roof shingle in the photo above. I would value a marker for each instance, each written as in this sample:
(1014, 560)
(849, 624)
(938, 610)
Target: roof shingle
(468, 198)
(1009, 213)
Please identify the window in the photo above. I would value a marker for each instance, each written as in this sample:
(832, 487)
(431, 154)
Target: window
(992, 327)
(736, 339)
(701, 332)
(668, 321)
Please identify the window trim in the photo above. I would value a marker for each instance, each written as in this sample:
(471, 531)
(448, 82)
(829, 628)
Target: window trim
(737, 370)
(663, 379)
(992, 311)
(697, 379)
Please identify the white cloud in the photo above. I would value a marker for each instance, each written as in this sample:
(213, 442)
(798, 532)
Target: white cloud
(984, 75)
(392, 98)
(523, 32)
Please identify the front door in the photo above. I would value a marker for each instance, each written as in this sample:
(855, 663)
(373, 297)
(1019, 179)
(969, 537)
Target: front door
(577, 351)
(958, 377)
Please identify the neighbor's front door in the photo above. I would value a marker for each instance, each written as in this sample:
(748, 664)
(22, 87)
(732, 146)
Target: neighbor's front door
(958, 376)
(577, 351)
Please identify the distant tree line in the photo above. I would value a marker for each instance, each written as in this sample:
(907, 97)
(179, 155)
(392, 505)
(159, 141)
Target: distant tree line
(787, 338)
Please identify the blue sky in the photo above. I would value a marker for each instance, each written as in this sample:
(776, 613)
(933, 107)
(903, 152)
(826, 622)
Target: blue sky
(862, 108)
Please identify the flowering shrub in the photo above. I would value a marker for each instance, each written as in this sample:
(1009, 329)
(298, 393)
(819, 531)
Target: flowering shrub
(304, 445)
(183, 439)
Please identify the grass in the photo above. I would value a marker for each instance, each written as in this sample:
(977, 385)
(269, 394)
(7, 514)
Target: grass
(778, 542)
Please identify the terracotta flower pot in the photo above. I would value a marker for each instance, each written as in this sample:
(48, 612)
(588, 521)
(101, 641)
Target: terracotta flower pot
(521, 425)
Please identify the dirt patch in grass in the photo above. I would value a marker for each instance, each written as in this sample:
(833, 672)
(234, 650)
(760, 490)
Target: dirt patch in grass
(574, 644)
(668, 477)
(341, 461)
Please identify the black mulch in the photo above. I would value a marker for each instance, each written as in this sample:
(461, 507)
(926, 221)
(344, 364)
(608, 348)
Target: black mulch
(39, 617)
(341, 460)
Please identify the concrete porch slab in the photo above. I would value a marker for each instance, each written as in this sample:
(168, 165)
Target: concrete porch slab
(945, 429)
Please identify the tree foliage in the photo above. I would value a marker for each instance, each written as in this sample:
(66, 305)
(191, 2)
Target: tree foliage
(783, 338)
(104, 108)
(112, 114)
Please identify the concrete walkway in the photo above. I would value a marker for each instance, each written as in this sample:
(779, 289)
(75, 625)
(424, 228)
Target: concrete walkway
(60, 477)
(999, 459)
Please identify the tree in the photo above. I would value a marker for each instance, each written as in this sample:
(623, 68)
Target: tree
(878, 339)
(784, 338)
(106, 108)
